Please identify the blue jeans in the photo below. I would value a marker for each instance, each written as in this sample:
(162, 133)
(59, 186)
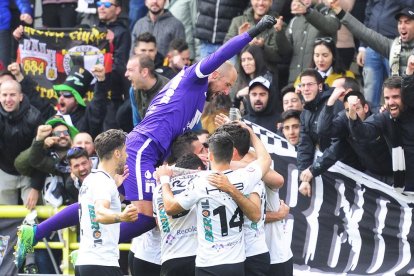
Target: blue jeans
(207, 48)
(376, 69)
(137, 10)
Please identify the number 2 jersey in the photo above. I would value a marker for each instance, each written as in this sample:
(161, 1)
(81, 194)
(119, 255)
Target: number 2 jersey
(98, 242)
(219, 219)
(179, 232)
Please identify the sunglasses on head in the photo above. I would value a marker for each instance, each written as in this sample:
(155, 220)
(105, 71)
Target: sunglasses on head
(65, 94)
(58, 133)
(105, 4)
(324, 39)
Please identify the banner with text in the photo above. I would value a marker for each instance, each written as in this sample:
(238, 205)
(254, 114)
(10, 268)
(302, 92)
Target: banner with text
(352, 223)
(47, 55)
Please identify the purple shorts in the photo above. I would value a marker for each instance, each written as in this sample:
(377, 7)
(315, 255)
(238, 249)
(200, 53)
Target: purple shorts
(143, 157)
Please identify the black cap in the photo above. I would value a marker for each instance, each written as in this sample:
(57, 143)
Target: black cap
(409, 12)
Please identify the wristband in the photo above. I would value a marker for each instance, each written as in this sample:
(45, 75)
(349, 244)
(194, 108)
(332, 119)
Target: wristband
(165, 179)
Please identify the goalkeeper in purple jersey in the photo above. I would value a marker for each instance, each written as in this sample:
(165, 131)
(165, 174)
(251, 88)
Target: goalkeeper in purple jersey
(174, 110)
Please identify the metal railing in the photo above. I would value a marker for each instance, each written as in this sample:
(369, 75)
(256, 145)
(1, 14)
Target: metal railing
(69, 235)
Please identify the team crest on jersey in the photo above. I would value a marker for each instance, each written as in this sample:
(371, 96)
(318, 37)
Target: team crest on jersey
(206, 213)
(97, 234)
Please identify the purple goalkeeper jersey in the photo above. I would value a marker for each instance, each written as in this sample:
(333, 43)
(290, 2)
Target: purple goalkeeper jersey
(179, 105)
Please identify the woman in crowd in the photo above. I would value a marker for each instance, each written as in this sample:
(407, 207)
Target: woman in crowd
(327, 61)
(252, 65)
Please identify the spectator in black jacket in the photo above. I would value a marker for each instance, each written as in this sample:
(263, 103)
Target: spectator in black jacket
(262, 104)
(86, 118)
(119, 85)
(315, 97)
(18, 123)
(396, 124)
(373, 154)
(213, 21)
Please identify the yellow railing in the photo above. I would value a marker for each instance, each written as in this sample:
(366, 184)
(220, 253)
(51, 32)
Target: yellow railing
(69, 234)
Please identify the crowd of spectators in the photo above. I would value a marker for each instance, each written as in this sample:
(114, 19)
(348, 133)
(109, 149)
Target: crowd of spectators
(324, 77)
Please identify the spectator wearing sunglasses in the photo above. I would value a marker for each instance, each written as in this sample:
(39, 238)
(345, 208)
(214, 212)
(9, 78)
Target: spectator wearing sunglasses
(309, 23)
(109, 12)
(327, 61)
(85, 117)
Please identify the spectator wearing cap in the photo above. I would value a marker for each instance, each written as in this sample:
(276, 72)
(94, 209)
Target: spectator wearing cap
(48, 155)
(262, 104)
(18, 123)
(85, 117)
(396, 49)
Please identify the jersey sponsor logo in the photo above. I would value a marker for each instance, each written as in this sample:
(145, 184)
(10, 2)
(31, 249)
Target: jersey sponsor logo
(208, 228)
(150, 185)
(186, 231)
(148, 174)
(96, 233)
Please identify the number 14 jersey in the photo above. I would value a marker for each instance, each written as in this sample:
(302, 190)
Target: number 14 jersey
(219, 219)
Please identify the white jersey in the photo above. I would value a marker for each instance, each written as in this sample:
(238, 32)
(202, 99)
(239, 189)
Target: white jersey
(98, 242)
(219, 219)
(179, 232)
(277, 234)
(148, 246)
(254, 232)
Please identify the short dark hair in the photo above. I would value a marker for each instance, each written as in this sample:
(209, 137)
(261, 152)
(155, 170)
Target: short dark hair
(145, 37)
(182, 146)
(239, 135)
(145, 62)
(178, 44)
(392, 82)
(118, 3)
(75, 153)
(221, 145)
(287, 89)
(310, 72)
(107, 142)
(190, 161)
(291, 113)
(351, 83)
(358, 94)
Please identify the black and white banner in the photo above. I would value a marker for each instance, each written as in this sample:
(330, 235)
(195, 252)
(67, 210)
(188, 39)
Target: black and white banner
(352, 224)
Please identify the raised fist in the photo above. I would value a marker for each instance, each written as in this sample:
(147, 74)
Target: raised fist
(266, 22)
